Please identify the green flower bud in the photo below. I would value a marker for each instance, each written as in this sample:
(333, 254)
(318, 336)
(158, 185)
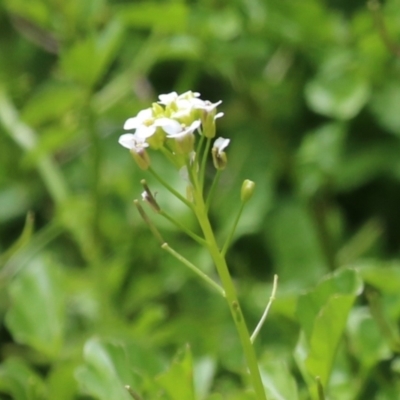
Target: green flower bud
(247, 190)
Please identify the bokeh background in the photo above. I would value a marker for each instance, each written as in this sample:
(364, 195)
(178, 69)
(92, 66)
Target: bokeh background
(311, 96)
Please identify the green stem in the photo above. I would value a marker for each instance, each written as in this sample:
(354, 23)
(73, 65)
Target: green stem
(193, 268)
(149, 222)
(204, 162)
(212, 189)
(195, 237)
(231, 297)
(321, 394)
(265, 313)
(170, 188)
(231, 233)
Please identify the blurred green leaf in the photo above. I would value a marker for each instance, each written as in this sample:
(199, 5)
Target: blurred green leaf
(178, 380)
(343, 282)
(384, 105)
(204, 372)
(366, 163)
(319, 157)
(278, 380)
(338, 90)
(106, 371)
(52, 101)
(163, 17)
(366, 341)
(37, 313)
(293, 242)
(384, 276)
(14, 201)
(327, 331)
(61, 382)
(86, 61)
(36, 10)
(323, 314)
(22, 241)
(19, 381)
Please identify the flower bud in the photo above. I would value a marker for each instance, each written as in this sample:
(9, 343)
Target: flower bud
(247, 190)
(141, 157)
(208, 123)
(219, 157)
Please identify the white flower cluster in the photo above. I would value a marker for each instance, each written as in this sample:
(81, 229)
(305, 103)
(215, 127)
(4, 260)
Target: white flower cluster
(171, 121)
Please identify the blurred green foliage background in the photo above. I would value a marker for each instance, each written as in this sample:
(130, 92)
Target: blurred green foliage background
(311, 96)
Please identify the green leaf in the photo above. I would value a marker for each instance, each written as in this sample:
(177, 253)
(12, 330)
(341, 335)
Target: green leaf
(319, 157)
(204, 371)
(345, 281)
(292, 238)
(37, 313)
(51, 102)
(385, 106)
(278, 381)
(365, 338)
(178, 380)
(323, 313)
(21, 242)
(61, 382)
(163, 17)
(86, 61)
(339, 90)
(106, 371)
(19, 381)
(384, 276)
(328, 329)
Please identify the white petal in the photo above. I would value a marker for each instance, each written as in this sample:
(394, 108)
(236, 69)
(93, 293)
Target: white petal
(219, 115)
(188, 131)
(143, 131)
(132, 142)
(135, 122)
(167, 99)
(220, 144)
(127, 140)
(170, 126)
(132, 123)
(194, 125)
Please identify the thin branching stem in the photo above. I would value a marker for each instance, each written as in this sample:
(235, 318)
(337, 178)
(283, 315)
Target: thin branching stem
(228, 240)
(195, 237)
(212, 188)
(195, 269)
(170, 188)
(149, 222)
(265, 313)
(204, 162)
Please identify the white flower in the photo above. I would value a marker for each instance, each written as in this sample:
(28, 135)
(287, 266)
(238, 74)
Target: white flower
(133, 142)
(206, 105)
(137, 147)
(144, 123)
(220, 145)
(167, 99)
(173, 97)
(174, 129)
